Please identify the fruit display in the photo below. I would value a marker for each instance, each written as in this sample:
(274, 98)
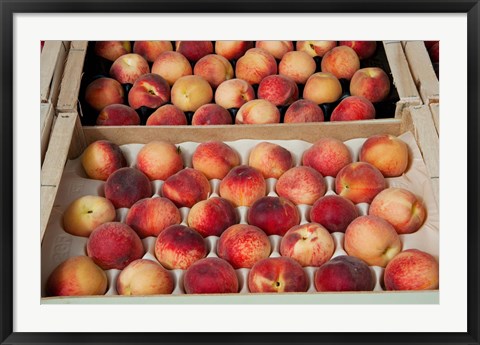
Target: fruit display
(172, 83)
(245, 216)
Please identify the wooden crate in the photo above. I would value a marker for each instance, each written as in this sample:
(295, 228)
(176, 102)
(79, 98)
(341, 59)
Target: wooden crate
(422, 71)
(52, 62)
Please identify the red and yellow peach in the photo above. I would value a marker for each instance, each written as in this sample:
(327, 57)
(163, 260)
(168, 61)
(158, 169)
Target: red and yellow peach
(178, 247)
(309, 244)
(77, 276)
(114, 245)
(301, 185)
(243, 245)
(243, 185)
(150, 216)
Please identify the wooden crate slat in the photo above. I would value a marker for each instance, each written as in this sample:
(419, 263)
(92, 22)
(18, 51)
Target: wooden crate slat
(52, 62)
(402, 79)
(308, 132)
(47, 114)
(427, 138)
(72, 77)
(422, 71)
(434, 108)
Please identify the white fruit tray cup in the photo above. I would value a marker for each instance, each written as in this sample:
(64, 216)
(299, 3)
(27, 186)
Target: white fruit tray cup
(58, 245)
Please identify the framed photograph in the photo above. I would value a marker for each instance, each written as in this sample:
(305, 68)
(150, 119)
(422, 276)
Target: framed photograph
(35, 307)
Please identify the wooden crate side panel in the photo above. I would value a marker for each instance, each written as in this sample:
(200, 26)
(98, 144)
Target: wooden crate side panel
(309, 132)
(58, 149)
(434, 108)
(72, 77)
(422, 71)
(427, 138)
(48, 61)
(47, 113)
(402, 79)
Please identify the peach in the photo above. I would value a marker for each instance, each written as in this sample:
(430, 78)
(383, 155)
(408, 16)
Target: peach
(359, 182)
(270, 159)
(191, 92)
(303, 110)
(243, 185)
(211, 114)
(277, 48)
(144, 277)
(127, 68)
(353, 108)
(167, 115)
(232, 50)
(399, 207)
(309, 244)
(344, 273)
(387, 153)
(150, 216)
(171, 66)
(322, 88)
(298, 66)
(412, 269)
(280, 274)
(114, 245)
(214, 68)
(212, 216)
(194, 50)
(101, 158)
(210, 275)
(278, 89)
(149, 90)
(215, 159)
(316, 48)
(301, 185)
(372, 83)
(234, 93)
(159, 160)
(372, 239)
(274, 215)
(118, 115)
(364, 49)
(334, 212)
(77, 276)
(150, 50)
(102, 92)
(112, 50)
(186, 187)
(84, 214)
(255, 65)
(126, 186)
(178, 247)
(341, 61)
(328, 156)
(243, 245)
(258, 111)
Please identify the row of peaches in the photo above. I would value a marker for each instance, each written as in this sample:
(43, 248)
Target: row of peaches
(168, 85)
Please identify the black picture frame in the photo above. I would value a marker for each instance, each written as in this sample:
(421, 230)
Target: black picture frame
(10, 7)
